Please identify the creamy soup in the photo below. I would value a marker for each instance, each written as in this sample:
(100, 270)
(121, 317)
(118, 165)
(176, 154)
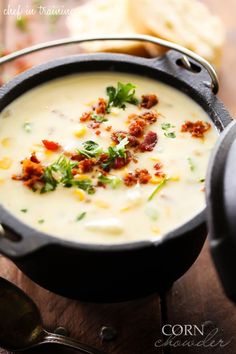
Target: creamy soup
(104, 158)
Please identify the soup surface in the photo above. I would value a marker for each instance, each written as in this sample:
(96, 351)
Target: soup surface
(104, 158)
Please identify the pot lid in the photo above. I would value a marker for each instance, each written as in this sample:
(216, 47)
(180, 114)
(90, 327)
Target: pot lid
(221, 208)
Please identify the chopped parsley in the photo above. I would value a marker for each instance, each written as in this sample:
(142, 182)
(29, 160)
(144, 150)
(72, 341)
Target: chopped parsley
(41, 221)
(50, 181)
(85, 184)
(113, 181)
(24, 210)
(191, 164)
(166, 127)
(90, 149)
(158, 188)
(201, 180)
(99, 118)
(60, 172)
(114, 152)
(81, 216)
(27, 127)
(171, 135)
(120, 95)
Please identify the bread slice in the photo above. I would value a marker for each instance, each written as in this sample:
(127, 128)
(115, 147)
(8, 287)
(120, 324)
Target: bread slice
(97, 17)
(186, 22)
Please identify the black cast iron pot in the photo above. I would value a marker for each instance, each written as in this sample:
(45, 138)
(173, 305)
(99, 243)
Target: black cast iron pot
(110, 272)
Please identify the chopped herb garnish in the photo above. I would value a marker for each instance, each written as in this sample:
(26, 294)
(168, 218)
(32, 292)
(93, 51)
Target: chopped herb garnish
(166, 126)
(167, 133)
(24, 210)
(41, 221)
(64, 166)
(122, 94)
(158, 188)
(22, 23)
(201, 180)
(114, 152)
(81, 216)
(27, 127)
(113, 181)
(191, 164)
(50, 182)
(99, 118)
(61, 172)
(171, 135)
(86, 185)
(90, 149)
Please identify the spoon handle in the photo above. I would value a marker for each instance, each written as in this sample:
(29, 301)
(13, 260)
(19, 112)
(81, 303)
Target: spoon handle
(51, 338)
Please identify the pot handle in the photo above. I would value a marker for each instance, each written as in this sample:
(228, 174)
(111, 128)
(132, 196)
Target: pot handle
(138, 37)
(13, 245)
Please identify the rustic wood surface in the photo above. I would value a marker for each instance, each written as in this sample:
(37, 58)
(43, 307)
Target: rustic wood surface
(196, 298)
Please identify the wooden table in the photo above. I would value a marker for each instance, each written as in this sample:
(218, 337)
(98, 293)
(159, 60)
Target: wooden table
(196, 298)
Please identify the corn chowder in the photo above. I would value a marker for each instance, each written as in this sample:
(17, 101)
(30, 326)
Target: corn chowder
(104, 158)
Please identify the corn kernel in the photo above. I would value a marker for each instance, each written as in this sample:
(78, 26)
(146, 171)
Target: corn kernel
(155, 159)
(113, 143)
(156, 180)
(175, 178)
(79, 177)
(80, 132)
(155, 229)
(6, 142)
(48, 152)
(5, 163)
(80, 194)
(101, 204)
(125, 208)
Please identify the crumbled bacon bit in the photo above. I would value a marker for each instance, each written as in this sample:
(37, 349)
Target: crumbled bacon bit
(32, 173)
(86, 116)
(130, 179)
(120, 162)
(87, 165)
(160, 174)
(108, 129)
(158, 166)
(98, 132)
(151, 117)
(143, 176)
(51, 145)
(136, 128)
(120, 134)
(101, 107)
(197, 129)
(149, 142)
(34, 158)
(148, 101)
(94, 125)
(77, 157)
(133, 141)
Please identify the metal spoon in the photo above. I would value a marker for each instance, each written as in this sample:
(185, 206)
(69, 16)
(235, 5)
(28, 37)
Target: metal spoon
(21, 325)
